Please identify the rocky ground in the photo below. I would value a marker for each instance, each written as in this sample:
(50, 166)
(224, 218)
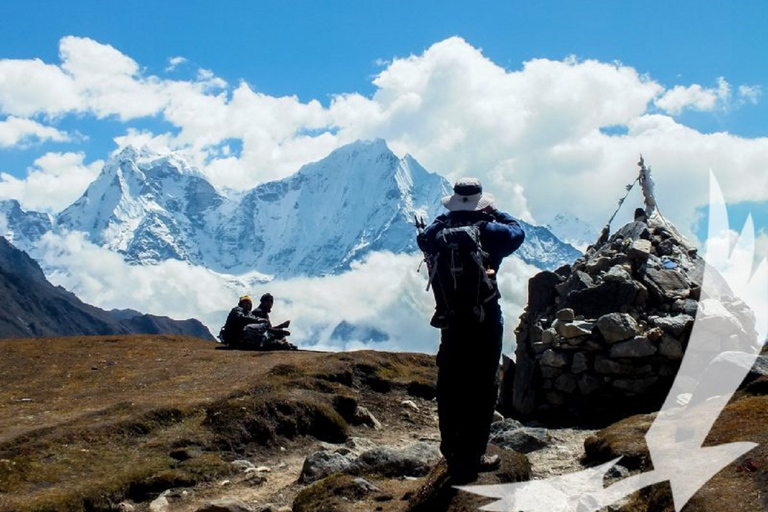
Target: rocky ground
(173, 424)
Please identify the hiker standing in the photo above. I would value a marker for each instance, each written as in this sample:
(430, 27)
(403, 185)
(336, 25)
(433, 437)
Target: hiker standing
(463, 250)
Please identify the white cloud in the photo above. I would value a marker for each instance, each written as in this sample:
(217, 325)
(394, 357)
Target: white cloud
(175, 62)
(384, 292)
(707, 99)
(29, 87)
(54, 182)
(750, 93)
(16, 131)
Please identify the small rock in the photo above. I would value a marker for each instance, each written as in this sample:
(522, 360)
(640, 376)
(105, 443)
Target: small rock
(363, 416)
(640, 249)
(617, 274)
(640, 346)
(413, 460)
(617, 327)
(159, 505)
(320, 464)
(635, 385)
(675, 325)
(566, 315)
(523, 440)
(671, 348)
(566, 383)
(410, 403)
(554, 359)
(580, 363)
(573, 330)
(243, 465)
(124, 506)
(254, 478)
(588, 384)
(365, 485)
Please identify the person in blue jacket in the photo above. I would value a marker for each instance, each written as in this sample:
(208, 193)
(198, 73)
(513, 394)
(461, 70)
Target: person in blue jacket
(470, 348)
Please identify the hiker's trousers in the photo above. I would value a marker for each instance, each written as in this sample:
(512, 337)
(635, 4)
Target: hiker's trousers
(467, 388)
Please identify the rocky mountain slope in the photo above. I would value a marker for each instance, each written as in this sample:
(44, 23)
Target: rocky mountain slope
(33, 307)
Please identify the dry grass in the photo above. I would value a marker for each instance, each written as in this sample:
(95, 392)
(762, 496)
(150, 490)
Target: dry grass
(86, 422)
(740, 487)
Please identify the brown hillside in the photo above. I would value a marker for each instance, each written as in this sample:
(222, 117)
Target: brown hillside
(87, 422)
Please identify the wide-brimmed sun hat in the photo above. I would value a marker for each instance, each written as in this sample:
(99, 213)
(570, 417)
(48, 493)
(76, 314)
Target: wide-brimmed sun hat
(467, 196)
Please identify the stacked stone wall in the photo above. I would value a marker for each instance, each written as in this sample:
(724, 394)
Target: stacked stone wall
(606, 335)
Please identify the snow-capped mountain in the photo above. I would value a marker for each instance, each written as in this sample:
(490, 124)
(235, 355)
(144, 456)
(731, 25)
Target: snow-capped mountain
(361, 198)
(573, 230)
(147, 207)
(22, 227)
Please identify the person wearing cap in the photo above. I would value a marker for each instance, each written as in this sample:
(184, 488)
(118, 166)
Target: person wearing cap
(469, 352)
(238, 319)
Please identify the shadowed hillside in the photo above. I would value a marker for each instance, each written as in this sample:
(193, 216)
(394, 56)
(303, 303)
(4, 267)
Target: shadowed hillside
(33, 307)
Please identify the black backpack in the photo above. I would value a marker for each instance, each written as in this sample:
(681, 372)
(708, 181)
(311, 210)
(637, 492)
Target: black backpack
(458, 273)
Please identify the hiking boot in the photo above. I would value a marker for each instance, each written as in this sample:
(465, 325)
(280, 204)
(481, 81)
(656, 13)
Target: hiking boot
(490, 462)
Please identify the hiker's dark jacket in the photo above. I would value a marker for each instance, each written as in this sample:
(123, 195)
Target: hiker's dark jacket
(500, 236)
(237, 319)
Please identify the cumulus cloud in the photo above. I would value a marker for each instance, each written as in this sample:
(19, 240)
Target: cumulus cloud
(383, 294)
(55, 181)
(694, 97)
(29, 87)
(16, 131)
(707, 99)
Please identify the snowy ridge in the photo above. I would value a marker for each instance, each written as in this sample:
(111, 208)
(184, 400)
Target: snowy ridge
(573, 230)
(360, 198)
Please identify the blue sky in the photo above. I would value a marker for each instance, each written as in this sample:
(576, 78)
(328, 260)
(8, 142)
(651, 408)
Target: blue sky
(548, 102)
(318, 50)
(315, 49)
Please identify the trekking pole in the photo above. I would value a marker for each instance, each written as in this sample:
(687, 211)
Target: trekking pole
(418, 221)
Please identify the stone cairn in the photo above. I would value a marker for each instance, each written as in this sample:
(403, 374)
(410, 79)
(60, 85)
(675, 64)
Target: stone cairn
(604, 337)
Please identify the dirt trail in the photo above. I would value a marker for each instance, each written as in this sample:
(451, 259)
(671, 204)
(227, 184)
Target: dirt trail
(561, 456)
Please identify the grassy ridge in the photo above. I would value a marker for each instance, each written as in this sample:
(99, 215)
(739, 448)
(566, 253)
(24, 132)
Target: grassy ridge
(96, 420)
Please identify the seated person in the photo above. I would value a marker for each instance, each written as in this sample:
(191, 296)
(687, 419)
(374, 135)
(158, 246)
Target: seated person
(239, 321)
(274, 335)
